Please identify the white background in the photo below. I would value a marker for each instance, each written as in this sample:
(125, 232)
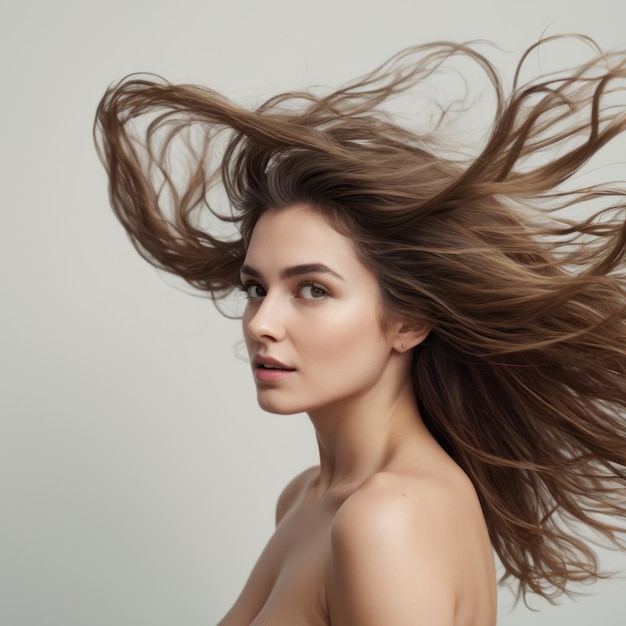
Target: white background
(137, 476)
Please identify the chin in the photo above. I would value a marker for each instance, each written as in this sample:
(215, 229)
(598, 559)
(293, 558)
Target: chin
(278, 408)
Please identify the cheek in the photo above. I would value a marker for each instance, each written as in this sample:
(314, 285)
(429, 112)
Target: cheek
(343, 336)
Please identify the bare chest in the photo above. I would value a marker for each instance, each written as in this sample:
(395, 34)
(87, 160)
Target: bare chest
(298, 594)
(288, 584)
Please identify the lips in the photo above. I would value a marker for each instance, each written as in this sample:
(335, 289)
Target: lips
(268, 363)
(269, 370)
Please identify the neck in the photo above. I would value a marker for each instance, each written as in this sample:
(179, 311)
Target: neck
(367, 435)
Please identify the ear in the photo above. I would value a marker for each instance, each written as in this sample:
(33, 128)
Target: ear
(405, 337)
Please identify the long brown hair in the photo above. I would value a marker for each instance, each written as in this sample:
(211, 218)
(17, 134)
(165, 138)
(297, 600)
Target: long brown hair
(522, 378)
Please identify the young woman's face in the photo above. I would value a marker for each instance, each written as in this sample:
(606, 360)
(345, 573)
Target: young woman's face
(312, 323)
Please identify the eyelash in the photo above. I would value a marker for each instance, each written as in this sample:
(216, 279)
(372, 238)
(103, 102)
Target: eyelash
(247, 287)
(309, 283)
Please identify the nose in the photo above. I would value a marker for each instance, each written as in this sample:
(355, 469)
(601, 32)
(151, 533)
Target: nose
(263, 321)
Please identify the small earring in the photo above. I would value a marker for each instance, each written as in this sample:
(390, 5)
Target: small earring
(404, 346)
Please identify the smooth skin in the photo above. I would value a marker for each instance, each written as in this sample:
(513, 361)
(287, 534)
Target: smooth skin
(388, 530)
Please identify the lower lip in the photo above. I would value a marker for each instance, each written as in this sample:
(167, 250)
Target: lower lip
(270, 375)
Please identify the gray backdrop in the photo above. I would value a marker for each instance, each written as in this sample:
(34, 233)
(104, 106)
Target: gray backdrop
(137, 476)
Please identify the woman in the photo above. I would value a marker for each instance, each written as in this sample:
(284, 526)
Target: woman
(457, 341)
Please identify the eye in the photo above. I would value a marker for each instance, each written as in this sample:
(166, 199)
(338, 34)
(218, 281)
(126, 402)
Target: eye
(312, 291)
(253, 290)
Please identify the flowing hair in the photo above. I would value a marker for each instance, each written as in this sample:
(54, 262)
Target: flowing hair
(516, 266)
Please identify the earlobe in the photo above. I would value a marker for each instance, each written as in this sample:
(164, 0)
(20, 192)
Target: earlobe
(407, 338)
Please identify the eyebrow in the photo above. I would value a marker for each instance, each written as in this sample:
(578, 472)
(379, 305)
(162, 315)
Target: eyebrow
(295, 270)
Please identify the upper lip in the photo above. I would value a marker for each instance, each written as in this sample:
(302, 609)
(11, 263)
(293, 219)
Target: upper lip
(267, 360)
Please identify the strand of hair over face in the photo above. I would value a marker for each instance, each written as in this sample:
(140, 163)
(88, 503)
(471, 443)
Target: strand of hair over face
(514, 262)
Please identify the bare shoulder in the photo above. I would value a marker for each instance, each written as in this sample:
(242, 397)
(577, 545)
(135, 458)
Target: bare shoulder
(391, 499)
(293, 491)
(398, 550)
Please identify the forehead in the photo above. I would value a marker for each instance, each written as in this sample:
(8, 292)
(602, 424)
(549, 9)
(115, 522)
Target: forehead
(299, 234)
